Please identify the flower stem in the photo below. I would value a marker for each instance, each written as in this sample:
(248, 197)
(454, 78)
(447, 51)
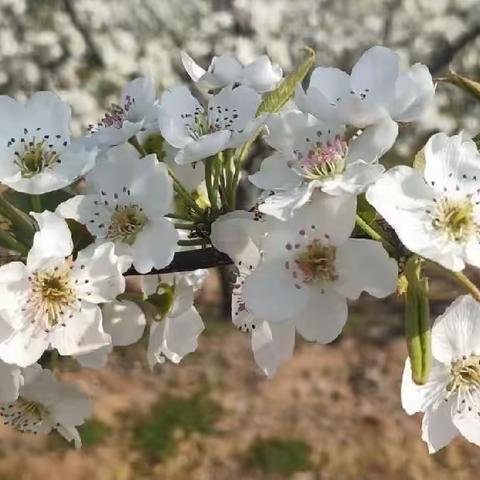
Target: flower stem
(193, 242)
(11, 243)
(184, 226)
(36, 203)
(134, 141)
(373, 234)
(184, 193)
(466, 283)
(209, 181)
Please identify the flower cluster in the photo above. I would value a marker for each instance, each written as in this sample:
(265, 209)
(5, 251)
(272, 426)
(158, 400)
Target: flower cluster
(102, 225)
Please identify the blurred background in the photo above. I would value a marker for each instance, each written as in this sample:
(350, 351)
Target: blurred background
(334, 411)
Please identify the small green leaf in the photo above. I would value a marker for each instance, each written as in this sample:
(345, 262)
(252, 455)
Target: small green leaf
(365, 210)
(276, 99)
(466, 84)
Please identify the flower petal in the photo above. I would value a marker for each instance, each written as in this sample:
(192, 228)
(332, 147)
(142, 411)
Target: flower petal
(275, 174)
(124, 321)
(438, 429)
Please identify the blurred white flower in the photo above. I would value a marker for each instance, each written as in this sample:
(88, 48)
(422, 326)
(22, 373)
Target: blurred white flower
(52, 301)
(436, 214)
(450, 400)
(10, 381)
(225, 70)
(45, 404)
(198, 133)
(125, 203)
(37, 154)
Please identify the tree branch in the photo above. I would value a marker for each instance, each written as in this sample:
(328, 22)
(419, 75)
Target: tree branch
(445, 55)
(191, 260)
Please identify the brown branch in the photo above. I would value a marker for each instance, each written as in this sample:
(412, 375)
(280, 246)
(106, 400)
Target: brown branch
(445, 55)
(92, 52)
(191, 260)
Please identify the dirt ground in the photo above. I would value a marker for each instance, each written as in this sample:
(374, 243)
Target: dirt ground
(332, 413)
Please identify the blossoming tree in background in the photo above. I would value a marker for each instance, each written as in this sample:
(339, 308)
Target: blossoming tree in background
(151, 191)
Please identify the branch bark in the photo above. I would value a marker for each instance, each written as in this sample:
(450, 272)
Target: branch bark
(191, 260)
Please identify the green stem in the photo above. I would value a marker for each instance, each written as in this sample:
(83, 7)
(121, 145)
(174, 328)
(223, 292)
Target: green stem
(36, 203)
(373, 234)
(209, 181)
(184, 193)
(11, 243)
(184, 226)
(141, 150)
(22, 222)
(466, 283)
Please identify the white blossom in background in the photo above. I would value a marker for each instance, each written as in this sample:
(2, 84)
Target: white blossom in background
(310, 267)
(45, 404)
(125, 202)
(313, 154)
(136, 113)
(375, 90)
(227, 122)
(37, 154)
(11, 379)
(225, 70)
(436, 213)
(52, 301)
(450, 400)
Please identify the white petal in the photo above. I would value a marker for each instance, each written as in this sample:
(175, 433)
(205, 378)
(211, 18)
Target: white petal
(373, 142)
(141, 92)
(332, 83)
(468, 424)
(364, 265)
(414, 91)
(275, 174)
(283, 126)
(52, 241)
(224, 70)
(176, 113)
(10, 382)
(261, 74)
(457, 332)
(323, 317)
(271, 292)
(95, 359)
(97, 274)
(81, 334)
(284, 204)
(272, 345)
(375, 73)
(205, 147)
(438, 429)
(155, 245)
(123, 321)
(194, 70)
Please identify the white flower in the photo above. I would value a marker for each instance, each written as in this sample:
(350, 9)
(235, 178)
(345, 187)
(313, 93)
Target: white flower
(310, 267)
(450, 400)
(314, 154)
(261, 74)
(125, 322)
(10, 381)
(228, 122)
(436, 214)
(175, 333)
(37, 154)
(45, 404)
(136, 113)
(125, 203)
(375, 90)
(52, 301)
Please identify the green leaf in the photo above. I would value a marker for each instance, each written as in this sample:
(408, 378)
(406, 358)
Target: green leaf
(276, 99)
(466, 84)
(50, 200)
(365, 210)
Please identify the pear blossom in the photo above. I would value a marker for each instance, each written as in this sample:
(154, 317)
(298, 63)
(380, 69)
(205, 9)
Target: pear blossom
(45, 404)
(450, 399)
(52, 300)
(136, 113)
(10, 381)
(310, 267)
(316, 155)
(375, 90)
(125, 202)
(198, 133)
(174, 333)
(261, 74)
(37, 154)
(436, 214)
